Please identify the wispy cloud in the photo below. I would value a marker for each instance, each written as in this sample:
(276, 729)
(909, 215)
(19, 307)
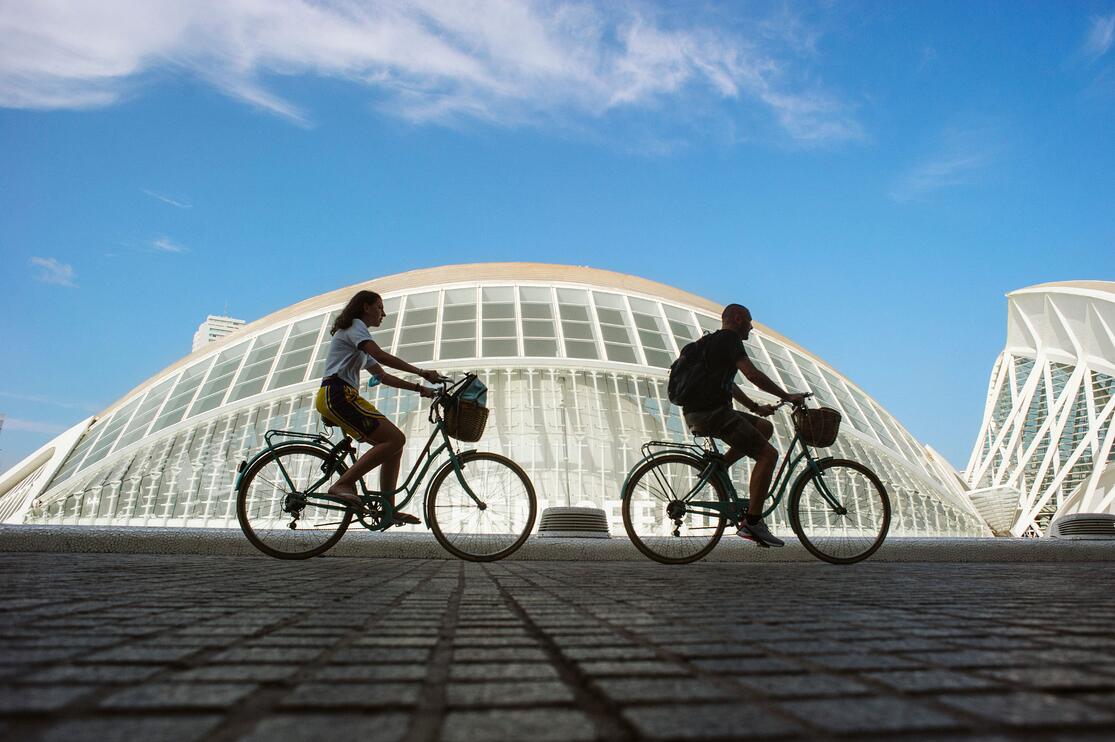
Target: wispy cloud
(1100, 37)
(961, 154)
(33, 426)
(41, 400)
(179, 204)
(53, 271)
(165, 244)
(506, 62)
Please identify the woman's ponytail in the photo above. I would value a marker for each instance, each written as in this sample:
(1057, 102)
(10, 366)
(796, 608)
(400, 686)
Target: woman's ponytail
(353, 309)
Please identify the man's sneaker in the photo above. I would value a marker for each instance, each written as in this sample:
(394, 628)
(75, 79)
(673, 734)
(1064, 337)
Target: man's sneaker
(759, 533)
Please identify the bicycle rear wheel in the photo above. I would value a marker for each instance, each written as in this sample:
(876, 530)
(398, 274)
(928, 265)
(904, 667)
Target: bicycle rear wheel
(279, 519)
(494, 524)
(660, 522)
(841, 512)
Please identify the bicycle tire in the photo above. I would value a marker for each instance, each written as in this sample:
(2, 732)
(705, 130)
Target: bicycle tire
(258, 504)
(631, 493)
(829, 535)
(486, 473)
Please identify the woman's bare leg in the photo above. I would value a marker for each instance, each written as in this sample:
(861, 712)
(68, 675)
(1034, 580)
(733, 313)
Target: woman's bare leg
(387, 449)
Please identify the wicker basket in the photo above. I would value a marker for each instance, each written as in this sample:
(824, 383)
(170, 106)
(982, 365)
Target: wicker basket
(465, 420)
(817, 428)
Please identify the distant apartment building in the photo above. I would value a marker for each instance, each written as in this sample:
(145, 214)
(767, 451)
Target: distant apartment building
(215, 327)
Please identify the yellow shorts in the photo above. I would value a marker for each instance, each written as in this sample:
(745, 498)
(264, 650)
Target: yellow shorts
(342, 405)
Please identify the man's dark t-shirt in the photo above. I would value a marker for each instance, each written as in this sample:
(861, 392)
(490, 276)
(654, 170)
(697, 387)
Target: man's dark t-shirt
(723, 349)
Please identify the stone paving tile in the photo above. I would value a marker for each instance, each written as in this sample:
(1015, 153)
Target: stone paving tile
(139, 653)
(178, 696)
(33, 698)
(708, 721)
(642, 668)
(351, 694)
(268, 654)
(502, 671)
(512, 725)
(177, 728)
(518, 693)
(498, 654)
(817, 685)
(863, 715)
(116, 674)
(371, 672)
(1028, 709)
(647, 690)
(923, 681)
(381, 727)
(1061, 678)
(236, 673)
(748, 665)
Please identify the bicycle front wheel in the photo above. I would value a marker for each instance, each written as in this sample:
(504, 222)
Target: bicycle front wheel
(840, 512)
(282, 520)
(484, 514)
(661, 512)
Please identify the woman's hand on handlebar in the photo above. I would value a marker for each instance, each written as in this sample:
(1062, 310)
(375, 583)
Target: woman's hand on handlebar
(434, 377)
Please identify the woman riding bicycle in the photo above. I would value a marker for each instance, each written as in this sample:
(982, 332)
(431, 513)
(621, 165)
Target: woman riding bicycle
(340, 404)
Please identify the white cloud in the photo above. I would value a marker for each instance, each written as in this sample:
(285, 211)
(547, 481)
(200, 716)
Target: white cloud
(164, 244)
(52, 271)
(1101, 35)
(177, 203)
(33, 426)
(37, 399)
(507, 62)
(960, 156)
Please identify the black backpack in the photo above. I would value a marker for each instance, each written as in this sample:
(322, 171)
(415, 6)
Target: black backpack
(690, 376)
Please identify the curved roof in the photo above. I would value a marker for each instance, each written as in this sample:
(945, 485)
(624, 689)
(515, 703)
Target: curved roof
(464, 273)
(1102, 287)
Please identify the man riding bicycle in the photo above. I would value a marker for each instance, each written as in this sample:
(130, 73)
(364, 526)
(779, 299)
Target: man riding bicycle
(708, 410)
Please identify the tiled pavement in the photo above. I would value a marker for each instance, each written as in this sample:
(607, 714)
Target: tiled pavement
(157, 647)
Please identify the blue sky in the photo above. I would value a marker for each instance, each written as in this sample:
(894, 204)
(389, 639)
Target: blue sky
(870, 178)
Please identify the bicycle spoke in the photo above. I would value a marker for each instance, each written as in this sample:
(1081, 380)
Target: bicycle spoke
(662, 525)
(267, 508)
(473, 532)
(842, 513)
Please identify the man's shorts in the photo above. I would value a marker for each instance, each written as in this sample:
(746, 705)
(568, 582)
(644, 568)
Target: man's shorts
(735, 428)
(342, 405)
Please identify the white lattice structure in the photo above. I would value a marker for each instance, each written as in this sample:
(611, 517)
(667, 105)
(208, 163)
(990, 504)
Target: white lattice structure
(576, 362)
(1045, 446)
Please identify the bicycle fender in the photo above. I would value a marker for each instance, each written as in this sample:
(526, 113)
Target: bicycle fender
(247, 464)
(652, 457)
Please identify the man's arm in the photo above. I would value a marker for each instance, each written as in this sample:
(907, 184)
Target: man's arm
(761, 380)
(739, 396)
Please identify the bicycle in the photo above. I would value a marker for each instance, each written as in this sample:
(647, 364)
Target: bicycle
(679, 497)
(480, 506)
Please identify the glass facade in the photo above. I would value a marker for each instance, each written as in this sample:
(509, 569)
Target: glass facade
(577, 378)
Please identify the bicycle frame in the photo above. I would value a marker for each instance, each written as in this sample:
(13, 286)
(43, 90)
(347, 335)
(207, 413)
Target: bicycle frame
(736, 506)
(336, 452)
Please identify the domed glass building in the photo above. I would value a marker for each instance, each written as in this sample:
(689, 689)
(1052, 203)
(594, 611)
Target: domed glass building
(576, 361)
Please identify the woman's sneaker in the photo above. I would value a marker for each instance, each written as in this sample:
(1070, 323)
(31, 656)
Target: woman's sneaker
(759, 533)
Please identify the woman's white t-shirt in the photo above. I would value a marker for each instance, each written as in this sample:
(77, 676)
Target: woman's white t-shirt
(345, 358)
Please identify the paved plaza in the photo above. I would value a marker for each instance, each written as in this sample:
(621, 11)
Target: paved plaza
(183, 647)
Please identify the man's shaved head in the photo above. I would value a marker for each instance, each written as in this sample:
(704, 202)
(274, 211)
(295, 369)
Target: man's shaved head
(734, 311)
